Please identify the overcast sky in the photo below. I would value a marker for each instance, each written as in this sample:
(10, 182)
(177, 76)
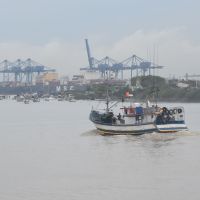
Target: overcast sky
(52, 32)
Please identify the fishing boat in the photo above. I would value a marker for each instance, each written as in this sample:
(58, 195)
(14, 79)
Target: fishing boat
(170, 120)
(134, 119)
(138, 119)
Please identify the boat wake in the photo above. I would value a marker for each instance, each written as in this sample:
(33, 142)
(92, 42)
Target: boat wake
(154, 136)
(93, 132)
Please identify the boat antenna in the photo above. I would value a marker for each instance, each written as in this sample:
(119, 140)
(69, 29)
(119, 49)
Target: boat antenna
(107, 101)
(155, 92)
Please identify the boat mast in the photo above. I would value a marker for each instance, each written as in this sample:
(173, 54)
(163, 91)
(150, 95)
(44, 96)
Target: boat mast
(155, 88)
(107, 102)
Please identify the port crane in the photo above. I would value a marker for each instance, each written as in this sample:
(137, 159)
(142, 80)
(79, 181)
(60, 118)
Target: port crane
(107, 65)
(22, 70)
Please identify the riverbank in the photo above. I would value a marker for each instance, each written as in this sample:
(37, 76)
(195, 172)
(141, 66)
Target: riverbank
(142, 87)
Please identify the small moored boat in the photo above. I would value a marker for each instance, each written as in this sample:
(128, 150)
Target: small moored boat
(26, 101)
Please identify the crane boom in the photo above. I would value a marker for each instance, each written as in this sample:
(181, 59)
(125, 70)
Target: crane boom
(89, 54)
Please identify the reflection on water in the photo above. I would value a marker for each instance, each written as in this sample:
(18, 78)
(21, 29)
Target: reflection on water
(151, 140)
(154, 137)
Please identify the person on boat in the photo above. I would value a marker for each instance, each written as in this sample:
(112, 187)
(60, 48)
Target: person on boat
(159, 119)
(119, 116)
(114, 120)
(139, 112)
(163, 116)
(125, 110)
(131, 110)
(137, 118)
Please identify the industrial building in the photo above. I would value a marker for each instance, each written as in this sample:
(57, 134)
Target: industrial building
(47, 77)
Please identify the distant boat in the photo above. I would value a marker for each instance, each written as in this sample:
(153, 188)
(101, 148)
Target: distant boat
(46, 99)
(26, 101)
(71, 98)
(20, 98)
(35, 100)
(60, 98)
(2, 97)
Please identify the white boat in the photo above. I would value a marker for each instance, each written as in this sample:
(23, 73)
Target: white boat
(122, 129)
(171, 120)
(26, 101)
(35, 100)
(70, 98)
(139, 120)
(20, 98)
(134, 120)
(60, 98)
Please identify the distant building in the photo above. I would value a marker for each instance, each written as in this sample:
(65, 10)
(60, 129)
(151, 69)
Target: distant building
(47, 77)
(64, 80)
(182, 85)
(78, 78)
(91, 75)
